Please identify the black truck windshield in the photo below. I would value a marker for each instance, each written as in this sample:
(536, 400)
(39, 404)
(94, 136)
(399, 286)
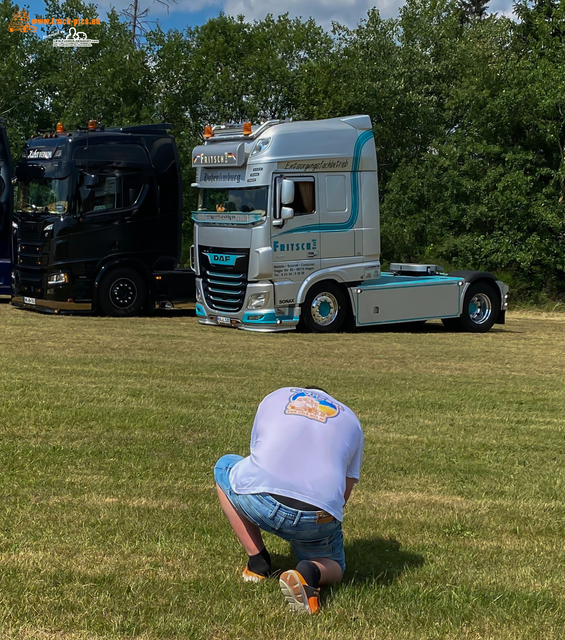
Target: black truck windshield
(233, 200)
(43, 195)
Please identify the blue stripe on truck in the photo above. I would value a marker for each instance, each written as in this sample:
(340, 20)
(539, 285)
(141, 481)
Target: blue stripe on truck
(352, 220)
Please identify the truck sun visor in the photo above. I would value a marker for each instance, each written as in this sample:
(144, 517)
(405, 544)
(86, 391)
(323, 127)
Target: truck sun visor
(219, 155)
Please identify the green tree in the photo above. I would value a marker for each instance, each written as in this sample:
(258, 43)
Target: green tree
(468, 115)
(229, 71)
(21, 101)
(473, 9)
(41, 84)
(361, 75)
(110, 81)
(488, 193)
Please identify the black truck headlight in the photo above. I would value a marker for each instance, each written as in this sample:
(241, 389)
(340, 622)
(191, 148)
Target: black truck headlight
(58, 278)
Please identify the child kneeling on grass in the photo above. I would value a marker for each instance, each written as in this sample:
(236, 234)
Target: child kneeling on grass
(306, 453)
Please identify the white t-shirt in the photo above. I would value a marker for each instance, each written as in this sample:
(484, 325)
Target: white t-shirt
(304, 443)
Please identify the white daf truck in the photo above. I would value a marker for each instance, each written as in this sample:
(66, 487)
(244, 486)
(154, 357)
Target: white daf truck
(287, 232)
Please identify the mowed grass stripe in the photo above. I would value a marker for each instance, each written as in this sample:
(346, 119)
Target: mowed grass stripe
(110, 528)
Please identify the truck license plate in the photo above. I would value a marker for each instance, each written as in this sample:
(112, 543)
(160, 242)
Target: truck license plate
(29, 300)
(223, 320)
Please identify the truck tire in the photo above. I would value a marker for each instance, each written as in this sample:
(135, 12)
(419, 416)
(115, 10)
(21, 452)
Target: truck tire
(481, 307)
(123, 293)
(325, 308)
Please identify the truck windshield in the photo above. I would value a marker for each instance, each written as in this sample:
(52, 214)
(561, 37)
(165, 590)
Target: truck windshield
(43, 195)
(233, 200)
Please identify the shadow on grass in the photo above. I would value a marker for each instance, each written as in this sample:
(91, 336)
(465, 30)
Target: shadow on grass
(376, 561)
(158, 313)
(418, 327)
(403, 327)
(173, 313)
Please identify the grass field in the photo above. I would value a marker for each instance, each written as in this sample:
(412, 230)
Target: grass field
(110, 528)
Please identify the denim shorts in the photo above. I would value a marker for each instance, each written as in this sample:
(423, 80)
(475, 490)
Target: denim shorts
(308, 539)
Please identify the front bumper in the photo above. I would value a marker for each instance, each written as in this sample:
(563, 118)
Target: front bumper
(264, 320)
(32, 290)
(51, 306)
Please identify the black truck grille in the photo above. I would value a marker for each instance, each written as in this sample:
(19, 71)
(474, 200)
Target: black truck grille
(30, 255)
(28, 284)
(30, 259)
(224, 277)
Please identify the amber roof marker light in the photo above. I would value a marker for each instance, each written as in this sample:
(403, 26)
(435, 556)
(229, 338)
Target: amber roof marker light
(92, 125)
(247, 128)
(208, 133)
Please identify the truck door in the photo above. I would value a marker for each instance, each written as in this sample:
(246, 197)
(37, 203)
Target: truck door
(337, 218)
(5, 212)
(296, 244)
(115, 220)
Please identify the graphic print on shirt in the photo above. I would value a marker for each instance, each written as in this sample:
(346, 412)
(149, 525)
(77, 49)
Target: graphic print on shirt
(312, 405)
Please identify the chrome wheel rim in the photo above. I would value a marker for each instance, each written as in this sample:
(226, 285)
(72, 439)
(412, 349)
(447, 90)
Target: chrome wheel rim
(324, 309)
(123, 293)
(480, 308)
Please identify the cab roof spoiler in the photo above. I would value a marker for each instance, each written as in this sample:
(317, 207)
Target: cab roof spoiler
(144, 128)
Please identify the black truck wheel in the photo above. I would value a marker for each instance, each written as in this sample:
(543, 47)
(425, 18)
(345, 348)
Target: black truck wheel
(481, 307)
(123, 293)
(325, 308)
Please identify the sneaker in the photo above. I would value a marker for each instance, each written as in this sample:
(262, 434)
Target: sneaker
(250, 576)
(298, 593)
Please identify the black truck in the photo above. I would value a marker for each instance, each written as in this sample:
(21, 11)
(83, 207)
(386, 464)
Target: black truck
(96, 225)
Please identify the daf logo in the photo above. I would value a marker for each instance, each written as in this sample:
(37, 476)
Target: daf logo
(223, 258)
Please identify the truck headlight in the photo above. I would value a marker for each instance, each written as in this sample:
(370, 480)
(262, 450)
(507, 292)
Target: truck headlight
(257, 300)
(199, 296)
(58, 278)
(261, 145)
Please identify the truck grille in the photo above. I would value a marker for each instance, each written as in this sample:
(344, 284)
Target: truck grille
(28, 284)
(224, 277)
(30, 255)
(30, 259)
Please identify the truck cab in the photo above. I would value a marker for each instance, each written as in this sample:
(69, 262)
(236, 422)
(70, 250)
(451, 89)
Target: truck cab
(97, 222)
(287, 232)
(281, 208)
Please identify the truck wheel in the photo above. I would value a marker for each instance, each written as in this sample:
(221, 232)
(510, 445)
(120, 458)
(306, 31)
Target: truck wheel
(123, 293)
(325, 308)
(480, 309)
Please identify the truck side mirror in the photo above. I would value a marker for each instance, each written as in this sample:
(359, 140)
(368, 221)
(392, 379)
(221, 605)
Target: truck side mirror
(287, 192)
(87, 199)
(90, 181)
(286, 214)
